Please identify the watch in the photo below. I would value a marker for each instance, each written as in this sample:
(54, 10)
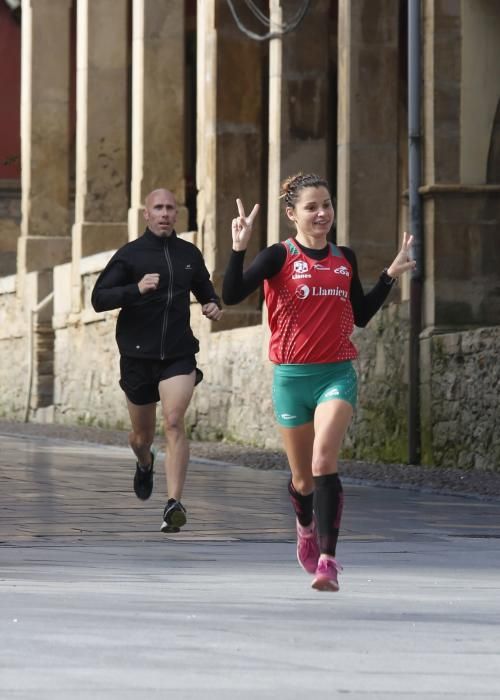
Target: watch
(387, 279)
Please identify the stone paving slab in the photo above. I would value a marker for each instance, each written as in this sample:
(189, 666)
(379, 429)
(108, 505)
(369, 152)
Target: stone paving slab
(475, 483)
(96, 603)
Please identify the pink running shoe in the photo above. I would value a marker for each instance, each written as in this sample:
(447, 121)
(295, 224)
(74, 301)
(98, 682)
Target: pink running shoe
(326, 574)
(307, 547)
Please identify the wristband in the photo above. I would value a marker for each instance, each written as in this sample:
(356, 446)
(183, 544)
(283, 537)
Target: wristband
(387, 279)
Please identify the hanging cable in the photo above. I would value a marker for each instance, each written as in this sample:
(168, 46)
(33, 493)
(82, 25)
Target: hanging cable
(257, 12)
(266, 21)
(285, 27)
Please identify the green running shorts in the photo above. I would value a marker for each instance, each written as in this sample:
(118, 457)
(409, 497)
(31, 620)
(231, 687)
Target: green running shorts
(298, 389)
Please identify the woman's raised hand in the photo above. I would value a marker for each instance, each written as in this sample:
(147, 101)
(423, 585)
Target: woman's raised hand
(402, 262)
(241, 227)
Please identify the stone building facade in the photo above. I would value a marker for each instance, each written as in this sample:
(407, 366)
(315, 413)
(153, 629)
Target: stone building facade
(119, 97)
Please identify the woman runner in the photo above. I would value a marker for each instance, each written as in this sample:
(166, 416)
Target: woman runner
(314, 297)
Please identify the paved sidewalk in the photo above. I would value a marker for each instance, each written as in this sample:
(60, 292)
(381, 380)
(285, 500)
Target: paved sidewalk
(96, 603)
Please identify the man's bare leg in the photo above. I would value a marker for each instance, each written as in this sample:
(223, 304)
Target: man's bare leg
(175, 395)
(140, 438)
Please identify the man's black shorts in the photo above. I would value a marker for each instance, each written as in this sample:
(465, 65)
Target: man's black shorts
(140, 377)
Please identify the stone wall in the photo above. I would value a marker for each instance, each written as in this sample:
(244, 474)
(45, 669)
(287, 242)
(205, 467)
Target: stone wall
(460, 406)
(234, 399)
(13, 352)
(86, 361)
(379, 428)
(87, 373)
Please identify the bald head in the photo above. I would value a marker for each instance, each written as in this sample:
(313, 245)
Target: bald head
(160, 212)
(161, 192)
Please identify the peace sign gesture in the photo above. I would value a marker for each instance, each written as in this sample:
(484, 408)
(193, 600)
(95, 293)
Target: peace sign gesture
(402, 262)
(241, 227)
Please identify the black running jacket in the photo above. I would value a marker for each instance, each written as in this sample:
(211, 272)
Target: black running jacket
(156, 324)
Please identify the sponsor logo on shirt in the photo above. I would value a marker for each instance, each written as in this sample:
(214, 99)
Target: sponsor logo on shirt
(319, 266)
(300, 270)
(342, 270)
(299, 266)
(303, 291)
(287, 416)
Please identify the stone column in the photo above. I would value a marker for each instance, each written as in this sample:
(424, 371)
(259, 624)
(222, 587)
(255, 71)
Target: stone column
(441, 82)
(299, 131)
(368, 83)
(230, 146)
(45, 237)
(158, 104)
(101, 198)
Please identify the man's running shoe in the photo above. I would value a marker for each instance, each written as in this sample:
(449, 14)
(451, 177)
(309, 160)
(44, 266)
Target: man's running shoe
(307, 547)
(326, 577)
(174, 516)
(143, 479)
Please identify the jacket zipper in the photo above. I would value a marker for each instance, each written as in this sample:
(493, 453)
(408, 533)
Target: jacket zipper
(166, 252)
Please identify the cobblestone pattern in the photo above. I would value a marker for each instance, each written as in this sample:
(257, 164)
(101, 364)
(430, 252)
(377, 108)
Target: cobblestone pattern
(462, 399)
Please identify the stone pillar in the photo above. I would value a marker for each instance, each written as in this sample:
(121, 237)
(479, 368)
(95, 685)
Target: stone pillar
(45, 237)
(305, 93)
(158, 105)
(231, 154)
(101, 197)
(461, 209)
(299, 131)
(368, 84)
(441, 96)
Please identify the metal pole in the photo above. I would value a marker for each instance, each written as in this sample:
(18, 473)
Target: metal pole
(274, 161)
(414, 173)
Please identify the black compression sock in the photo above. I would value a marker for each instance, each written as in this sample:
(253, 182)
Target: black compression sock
(302, 505)
(328, 505)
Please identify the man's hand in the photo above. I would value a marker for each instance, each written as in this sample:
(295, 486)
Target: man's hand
(402, 262)
(241, 227)
(212, 311)
(149, 282)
